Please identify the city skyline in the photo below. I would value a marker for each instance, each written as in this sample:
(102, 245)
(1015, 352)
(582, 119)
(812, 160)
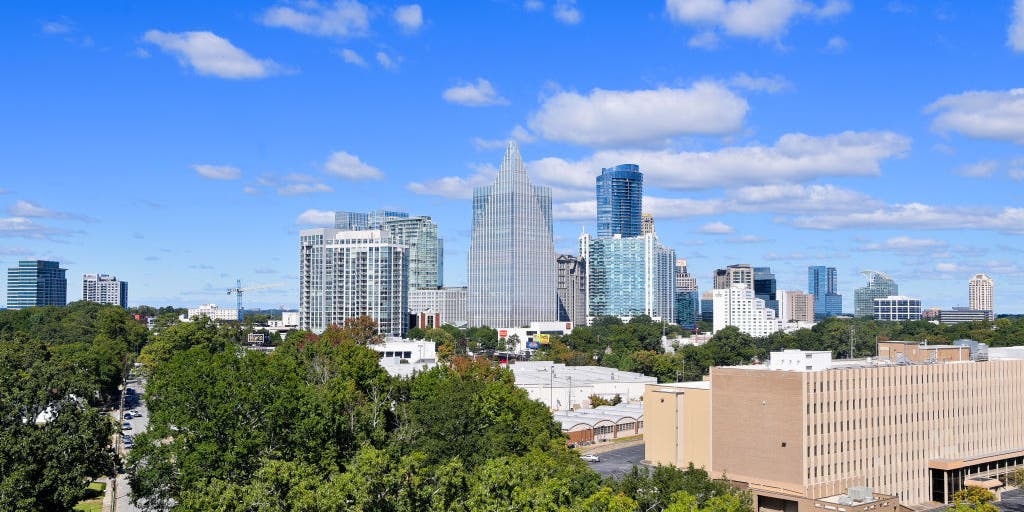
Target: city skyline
(819, 143)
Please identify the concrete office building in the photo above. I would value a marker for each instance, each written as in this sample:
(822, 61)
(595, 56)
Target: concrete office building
(796, 306)
(511, 270)
(879, 286)
(571, 289)
(212, 312)
(734, 274)
(646, 224)
(822, 283)
(803, 430)
(562, 387)
(960, 314)
(620, 192)
(104, 289)
(765, 287)
(627, 277)
(434, 307)
(687, 296)
(36, 283)
(347, 274)
(980, 289)
(737, 306)
(897, 308)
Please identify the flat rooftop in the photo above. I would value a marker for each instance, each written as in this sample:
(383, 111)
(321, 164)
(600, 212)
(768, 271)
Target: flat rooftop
(544, 373)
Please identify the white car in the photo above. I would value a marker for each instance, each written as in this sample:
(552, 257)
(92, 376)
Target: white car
(590, 458)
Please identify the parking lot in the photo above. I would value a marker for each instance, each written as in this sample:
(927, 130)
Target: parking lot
(618, 462)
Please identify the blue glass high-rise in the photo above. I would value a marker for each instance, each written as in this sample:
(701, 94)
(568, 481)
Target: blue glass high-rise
(821, 282)
(620, 191)
(36, 283)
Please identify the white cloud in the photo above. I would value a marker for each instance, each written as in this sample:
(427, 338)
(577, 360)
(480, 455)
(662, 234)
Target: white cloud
(919, 216)
(772, 84)
(566, 12)
(345, 18)
(210, 54)
(996, 115)
(409, 17)
(351, 57)
(1015, 37)
(533, 5)
(27, 209)
(480, 94)
(1016, 174)
(707, 40)
(217, 172)
(252, 191)
(518, 134)
(386, 61)
(295, 189)
(455, 187)
(57, 27)
(905, 244)
(349, 166)
(623, 117)
(758, 19)
(575, 210)
(836, 44)
(948, 267)
(982, 169)
(22, 227)
(322, 218)
(717, 228)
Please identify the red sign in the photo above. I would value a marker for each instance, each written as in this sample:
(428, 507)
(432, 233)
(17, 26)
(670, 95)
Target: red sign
(503, 333)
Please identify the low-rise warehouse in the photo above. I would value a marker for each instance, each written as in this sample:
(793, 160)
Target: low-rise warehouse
(602, 423)
(563, 388)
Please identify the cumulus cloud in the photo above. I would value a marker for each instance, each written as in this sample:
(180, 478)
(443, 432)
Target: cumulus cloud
(455, 187)
(771, 84)
(343, 18)
(982, 169)
(1015, 37)
(756, 19)
(295, 189)
(717, 228)
(57, 27)
(409, 17)
(919, 216)
(479, 94)
(23, 227)
(209, 54)
(836, 44)
(22, 208)
(349, 166)
(566, 12)
(605, 117)
(321, 218)
(386, 61)
(995, 115)
(350, 56)
(707, 40)
(217, 172)
(905, 244)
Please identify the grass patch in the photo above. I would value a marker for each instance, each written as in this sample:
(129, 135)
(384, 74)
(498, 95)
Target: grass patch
(93, 501)
(628, 439)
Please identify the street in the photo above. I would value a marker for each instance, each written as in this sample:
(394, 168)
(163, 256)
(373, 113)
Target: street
(1013, 501)
(133, 402)
(618, 462)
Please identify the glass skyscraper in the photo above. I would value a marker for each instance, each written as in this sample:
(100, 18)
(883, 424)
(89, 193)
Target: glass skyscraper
(764, 287)
(687, 297)
(419, 234)
(620, 191)
(511, 272)
(879, 286)
(822, 282)
(36, 283)
(630, 277)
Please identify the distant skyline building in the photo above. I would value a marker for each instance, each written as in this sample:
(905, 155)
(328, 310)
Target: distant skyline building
(822, 283)
(572, 289)
(104, 289)
(734, 274)
(36, 283)
(737, 306)
(897, 308)
(627, 277)
(961, 314)
(346, 274)
(687, 296)
(418, 233)
(511, 271)
(707, 307)
(981, 290)
(879, 286)
(620, 192)
(765, 287)
(434, 307)
(646, 224)
(796, 306)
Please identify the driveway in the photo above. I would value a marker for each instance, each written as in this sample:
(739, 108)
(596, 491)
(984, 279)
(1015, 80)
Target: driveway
(617, 463)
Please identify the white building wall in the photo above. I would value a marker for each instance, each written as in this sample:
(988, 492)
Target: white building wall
(738, 307)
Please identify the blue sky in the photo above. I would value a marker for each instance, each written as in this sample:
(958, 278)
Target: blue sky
(182, 145)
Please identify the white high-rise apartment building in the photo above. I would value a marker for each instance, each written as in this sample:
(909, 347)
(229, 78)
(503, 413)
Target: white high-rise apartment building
(345, 274)
(104, 289)
(737, 306)
(981, 290)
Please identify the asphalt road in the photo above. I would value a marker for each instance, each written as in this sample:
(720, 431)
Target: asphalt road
(619, 462)
(1013, 501)
(139, 426)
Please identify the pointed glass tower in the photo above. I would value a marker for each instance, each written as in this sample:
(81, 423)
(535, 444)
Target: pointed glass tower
(512, 253)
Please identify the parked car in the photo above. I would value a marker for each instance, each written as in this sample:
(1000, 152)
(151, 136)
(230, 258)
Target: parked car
(126, 426)
(137, 414)
(128, 415)
(590, 458)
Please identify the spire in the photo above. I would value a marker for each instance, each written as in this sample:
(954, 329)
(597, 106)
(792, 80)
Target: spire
(512, 160)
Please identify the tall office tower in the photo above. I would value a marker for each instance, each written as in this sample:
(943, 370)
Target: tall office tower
(104, 289)
(572, 289)
(796, 306)
(823, 284)
(879, 286)
(36, 283)
(687, 296)
(707, 307)
(620, 192)
(646, 224)
(737, 306)
(629, 277)
(511, 270)
(981, 290)
(764, 287)
(426, 249)
(734, 274)
(345, 274)
(351, 221)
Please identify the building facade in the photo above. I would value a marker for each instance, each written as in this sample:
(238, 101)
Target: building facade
(627, 277)
(687, 297)
(347, 274)
(426, 249)
(104, 289)
(734, 274)
(796, 306)
(981, 290)
(765, 287)
(212, 312)
(572, 289)
(511, 270)
(823, 284)
(434, 307)
(879, 286)
(737, 306)
(36, 283)
(897, 308)
(959, 315)
(646, 224)
(620, 192)
(707, 307)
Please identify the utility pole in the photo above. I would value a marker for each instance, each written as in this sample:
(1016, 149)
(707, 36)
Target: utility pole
(853, 331)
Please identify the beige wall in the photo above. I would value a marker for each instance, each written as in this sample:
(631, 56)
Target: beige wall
(915, 353)
(677, 425)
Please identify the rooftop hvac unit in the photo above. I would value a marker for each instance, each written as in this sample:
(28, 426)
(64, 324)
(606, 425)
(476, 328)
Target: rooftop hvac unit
(860, 493)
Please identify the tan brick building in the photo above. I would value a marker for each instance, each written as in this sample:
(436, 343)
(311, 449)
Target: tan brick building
(804, 435)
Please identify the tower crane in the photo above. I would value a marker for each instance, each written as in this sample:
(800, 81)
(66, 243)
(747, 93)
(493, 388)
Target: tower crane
(239, 291)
